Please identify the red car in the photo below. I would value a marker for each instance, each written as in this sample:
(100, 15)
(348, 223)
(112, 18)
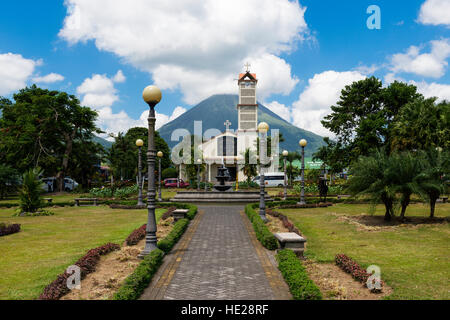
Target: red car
(173, 183)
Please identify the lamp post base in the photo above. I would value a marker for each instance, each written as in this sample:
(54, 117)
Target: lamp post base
(301, 203)
(147, 251)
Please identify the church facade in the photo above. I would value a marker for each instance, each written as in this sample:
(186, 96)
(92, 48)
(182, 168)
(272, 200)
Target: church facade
(229, 147)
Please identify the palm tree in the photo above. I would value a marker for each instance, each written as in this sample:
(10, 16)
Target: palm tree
(435, 166)
(402, 172)
(250, 170)
(30, 192)
(370, 178)
(291, 170)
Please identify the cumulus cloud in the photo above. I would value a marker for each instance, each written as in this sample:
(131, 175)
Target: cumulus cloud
(15, 71)
(50, 78)
(98, 92)
(435, 12)
(429, 90)
(431, 64)
(280, 109)
(322, 92)
(195, 46)
(119, 77)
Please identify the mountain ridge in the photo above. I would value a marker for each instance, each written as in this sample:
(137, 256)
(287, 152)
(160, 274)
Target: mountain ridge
(225, 105)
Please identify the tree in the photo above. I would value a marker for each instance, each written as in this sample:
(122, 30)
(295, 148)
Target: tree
(40, 129)
(435, 170)
(369, 178)
(30, 192)
(362, 120)
(291, 170)
(249, 169)
(333, 156)
(86, 159)
(8, 180)
(422, 124)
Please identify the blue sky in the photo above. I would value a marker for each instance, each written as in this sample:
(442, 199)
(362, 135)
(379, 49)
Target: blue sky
(303, 52)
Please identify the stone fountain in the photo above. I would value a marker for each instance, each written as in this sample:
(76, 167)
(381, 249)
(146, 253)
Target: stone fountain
(223, 176)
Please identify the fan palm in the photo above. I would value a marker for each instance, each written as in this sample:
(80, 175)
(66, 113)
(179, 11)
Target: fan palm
(30, 192)
(249, 168)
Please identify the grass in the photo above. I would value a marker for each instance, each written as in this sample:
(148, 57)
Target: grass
(414, 260)
(46, 246)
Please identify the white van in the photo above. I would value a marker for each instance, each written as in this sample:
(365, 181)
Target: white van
(272, 179)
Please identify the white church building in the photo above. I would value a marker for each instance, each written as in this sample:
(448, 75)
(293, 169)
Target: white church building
(229, 147)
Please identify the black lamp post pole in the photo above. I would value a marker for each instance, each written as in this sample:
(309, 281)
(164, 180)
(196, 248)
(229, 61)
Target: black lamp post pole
(285, 180)
(140, 200)
(262, 192)
(302, 194)
(150, 238)
(159, 182)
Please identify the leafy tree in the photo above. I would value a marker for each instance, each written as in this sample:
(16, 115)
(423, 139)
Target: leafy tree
(370, 179)
(291, 170)
(87, 158)
(169, 173)
(8, 180)
(248, 169)
(40, 129)
(422, 124)
(362, 120)
(30, 192)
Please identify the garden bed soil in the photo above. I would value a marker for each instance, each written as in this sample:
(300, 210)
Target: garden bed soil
(113, 268)
(336, 284)
(365, 222)
(275, 225)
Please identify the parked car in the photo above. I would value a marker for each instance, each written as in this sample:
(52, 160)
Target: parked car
(173, 183)
(51, 184)
(275, 179)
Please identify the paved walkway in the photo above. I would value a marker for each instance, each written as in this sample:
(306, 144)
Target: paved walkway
(218, 258)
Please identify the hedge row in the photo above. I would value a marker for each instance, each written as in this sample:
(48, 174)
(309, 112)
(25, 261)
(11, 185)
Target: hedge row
(296, 277)
(354, 269)
(87, 264)
(172, 238)
(7, 229)
(263, 234)
(135, 284)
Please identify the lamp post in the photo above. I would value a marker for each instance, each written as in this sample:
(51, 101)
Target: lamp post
(263, 128)
(285, 154)
(206, 177)
(303, 143)
(199, 163)
(140, 144)
(160, 155)
(152, 96)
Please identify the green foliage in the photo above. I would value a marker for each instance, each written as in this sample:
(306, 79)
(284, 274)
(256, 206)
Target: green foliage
(263, 234)
(172, 238)
(40, 213)
(124, 193)
(249, 169)
(121, 193)
(296, 277)
(44, 128)
(101, 193)
(169, 173)
(9, 180)
(30, 192)
(138, 281)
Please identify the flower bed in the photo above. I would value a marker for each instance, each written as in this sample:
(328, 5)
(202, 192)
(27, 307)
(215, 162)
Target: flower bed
(296, 277)
(87, 264)
(7, 229)
(354, 269)
(286, 222)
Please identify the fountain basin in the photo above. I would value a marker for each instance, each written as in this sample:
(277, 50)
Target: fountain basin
(219, 197)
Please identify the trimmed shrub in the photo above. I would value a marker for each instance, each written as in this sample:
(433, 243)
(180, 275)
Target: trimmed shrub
(7, 229)
(296, 277)
(136, 236)
(87, 264)
(136, 283)
(172, 238)
(263, 234)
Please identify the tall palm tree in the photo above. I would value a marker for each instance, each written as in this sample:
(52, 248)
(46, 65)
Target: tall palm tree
(250, 170)
(291, 170)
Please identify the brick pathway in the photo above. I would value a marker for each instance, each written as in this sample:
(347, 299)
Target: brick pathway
(218, 258)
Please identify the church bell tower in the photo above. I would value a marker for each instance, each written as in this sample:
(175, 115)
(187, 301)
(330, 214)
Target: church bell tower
(248, 106)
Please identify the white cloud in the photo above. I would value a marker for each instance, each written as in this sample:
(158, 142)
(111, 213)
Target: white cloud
(367, 70)
(435, 12)
(15, 71)
(431, 64)
(429, 90)
(98, 92)
(50, 78)
(322, 92)
(119, 77)
(195, 46)
(279, 109)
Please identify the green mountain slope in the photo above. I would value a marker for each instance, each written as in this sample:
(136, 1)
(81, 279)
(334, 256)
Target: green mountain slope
(105, 143)
(215, 110)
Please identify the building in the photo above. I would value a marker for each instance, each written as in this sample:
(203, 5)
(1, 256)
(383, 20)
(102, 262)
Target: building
(229, 147)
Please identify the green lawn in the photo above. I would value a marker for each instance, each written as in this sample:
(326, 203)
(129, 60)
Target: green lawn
(414, 260)
(46, 246)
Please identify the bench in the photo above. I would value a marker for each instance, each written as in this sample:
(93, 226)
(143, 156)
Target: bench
(179, 214)
(94, 200)
(292, 241)
(49, 200)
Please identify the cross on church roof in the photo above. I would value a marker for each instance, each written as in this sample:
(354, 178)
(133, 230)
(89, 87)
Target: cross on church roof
(227, 124)
(248, 65)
